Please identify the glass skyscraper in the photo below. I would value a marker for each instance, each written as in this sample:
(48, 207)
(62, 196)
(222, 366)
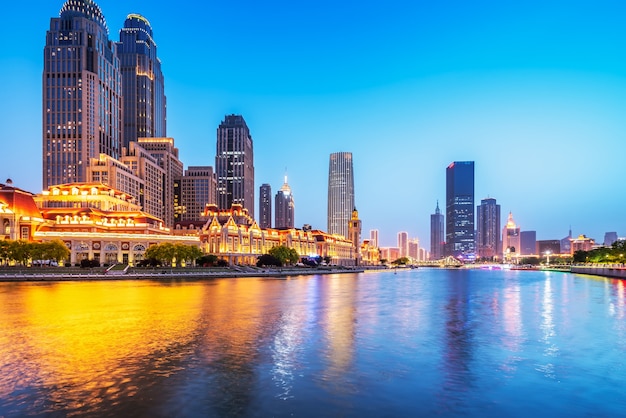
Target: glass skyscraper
(488, 229)
(234, 164)
(340, 192)
(143, 87)
(460, 210)
(82, 97)
(265, 206)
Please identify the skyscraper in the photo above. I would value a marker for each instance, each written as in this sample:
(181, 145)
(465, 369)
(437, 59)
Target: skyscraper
(488, 229)
(143, 87)
(284, 207)
(197, 190)
(403, 243)
(340, 192)
(437, 239)
(374, 238)
(82, 97)
(460, 210)
(234, 164)
(528, 242)
(265, 206)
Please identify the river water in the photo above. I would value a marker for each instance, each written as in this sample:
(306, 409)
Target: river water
(419, 343)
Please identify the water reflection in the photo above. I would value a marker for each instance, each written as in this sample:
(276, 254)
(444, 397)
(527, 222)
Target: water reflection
(419, 343)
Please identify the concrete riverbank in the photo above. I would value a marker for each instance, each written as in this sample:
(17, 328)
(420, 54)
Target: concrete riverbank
(61, 274)
(606, 270)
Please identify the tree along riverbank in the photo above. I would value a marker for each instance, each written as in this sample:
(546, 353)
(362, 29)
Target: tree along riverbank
(13, 274)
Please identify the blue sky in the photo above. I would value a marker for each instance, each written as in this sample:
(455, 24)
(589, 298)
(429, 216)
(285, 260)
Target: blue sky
(534, 92)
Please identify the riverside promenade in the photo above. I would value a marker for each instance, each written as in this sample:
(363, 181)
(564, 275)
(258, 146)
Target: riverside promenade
(13, 274)
(604, 270)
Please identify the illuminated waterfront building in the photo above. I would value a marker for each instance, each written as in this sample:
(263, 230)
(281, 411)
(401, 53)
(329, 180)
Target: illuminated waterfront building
(284, 207)
(234, 164)
(340, 192)
(511, 241)
(82, 93)
(166, 155)
(460, 241)
(548, 246)
(19, 216)
(528, 242)
(582, 243)
(414, 250)
(437, 237)
(197, 190)
(265, 206)
(97, 222)
(373, 238)
(403, 243)
(143, 88)
(488, 229)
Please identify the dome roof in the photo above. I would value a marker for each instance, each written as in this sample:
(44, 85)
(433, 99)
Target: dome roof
(83, 8)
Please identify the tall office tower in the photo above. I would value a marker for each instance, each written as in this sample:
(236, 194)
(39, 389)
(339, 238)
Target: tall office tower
(403, 243)
(511, 240)
(82, 97)
(197, 190)
(488, 229)
(566, 242)
(234, 164)
(374, 238)
(437, 238)
(143, 88)
(340, 192)
(460, 210)
(609, 238)
(166, 155)
(265, 206)
(414, 249)
(147, 168)
(528, 242)
(354, 235)
(284, 207)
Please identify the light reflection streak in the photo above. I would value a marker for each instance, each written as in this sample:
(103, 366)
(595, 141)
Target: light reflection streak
(548, 329)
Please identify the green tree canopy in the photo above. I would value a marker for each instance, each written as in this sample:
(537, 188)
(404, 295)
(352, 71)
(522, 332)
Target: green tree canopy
(284, 254)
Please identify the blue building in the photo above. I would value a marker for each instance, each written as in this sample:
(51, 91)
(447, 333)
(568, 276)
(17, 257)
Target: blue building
(460, 241)
(437, 237)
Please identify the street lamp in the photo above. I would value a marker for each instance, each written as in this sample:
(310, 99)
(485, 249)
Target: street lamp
(548, 257)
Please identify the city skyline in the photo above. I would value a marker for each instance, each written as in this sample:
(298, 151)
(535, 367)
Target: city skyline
(507, 87)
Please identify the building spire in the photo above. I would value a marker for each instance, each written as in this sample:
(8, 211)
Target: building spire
(437, 211)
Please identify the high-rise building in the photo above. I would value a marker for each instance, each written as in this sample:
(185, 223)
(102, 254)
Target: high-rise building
(284, 207)
(147, 168)
(488, 229)
(197, 190)
(265, 206)
(82, 94)
(340, 192)
(374, 238)
(528, 242)
(511, 241)
(403, 243)
(166, 155)
(460, 210)
(234, 164)
(610, 238)
(414, 249)
(437, 238)
(143, 87)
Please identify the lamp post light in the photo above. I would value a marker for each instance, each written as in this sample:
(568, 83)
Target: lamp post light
(548, 257)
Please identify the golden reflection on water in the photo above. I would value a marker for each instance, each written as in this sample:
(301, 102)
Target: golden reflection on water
(87, 341)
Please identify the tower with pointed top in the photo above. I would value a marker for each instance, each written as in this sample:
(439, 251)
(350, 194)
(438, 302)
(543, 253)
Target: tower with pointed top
(354, 235)
(436, 235)
(511, 240)
(284, 207)
(82, 94)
